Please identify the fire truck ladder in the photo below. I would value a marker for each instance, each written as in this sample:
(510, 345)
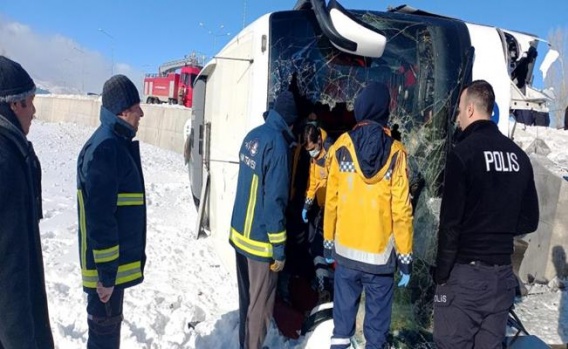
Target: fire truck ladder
(171, 66)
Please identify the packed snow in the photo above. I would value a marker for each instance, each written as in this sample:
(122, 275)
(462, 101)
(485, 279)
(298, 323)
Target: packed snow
(188, 300)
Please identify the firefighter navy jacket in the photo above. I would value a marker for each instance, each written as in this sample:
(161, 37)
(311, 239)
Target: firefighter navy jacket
(258, 224)
(112, 207)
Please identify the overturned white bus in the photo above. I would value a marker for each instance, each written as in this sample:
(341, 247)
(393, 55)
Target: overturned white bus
(326, 54)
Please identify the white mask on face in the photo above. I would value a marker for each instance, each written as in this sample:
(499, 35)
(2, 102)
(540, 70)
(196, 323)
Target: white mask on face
(314, 152)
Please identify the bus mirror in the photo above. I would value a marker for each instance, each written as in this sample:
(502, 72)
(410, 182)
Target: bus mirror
(369, 42)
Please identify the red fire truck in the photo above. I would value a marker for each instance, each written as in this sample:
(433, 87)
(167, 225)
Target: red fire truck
(173, 86)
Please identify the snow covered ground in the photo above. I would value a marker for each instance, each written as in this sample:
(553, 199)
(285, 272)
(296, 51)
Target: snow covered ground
(185, 281)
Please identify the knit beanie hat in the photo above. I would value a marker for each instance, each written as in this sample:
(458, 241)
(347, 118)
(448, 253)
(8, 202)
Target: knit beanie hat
(285, 105)
(119, 94)
(372, 103)
(15, 83)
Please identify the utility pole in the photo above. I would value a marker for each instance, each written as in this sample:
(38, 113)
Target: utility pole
(217, 34)
(82, 68)
(111, 49)
(66, 75)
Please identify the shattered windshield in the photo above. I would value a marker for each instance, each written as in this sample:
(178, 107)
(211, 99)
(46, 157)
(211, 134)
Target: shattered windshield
(422, 65)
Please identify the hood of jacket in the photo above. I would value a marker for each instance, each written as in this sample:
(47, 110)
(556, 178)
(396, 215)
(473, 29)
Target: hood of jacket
(275, 121)
(116, 124)
(372, 148)
(373, 104)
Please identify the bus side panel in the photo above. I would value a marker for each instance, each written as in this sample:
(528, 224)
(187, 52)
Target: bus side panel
(490, 64)
(229, 97)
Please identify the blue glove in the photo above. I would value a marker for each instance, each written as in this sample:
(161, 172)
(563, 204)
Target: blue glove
(330, 260)
(305, 215)
(404, 279)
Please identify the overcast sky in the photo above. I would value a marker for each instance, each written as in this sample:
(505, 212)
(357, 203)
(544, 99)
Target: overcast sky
(57, 63)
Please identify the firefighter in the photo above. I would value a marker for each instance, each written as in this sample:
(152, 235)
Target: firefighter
(258, 223)
(112, 212)
(368, 220)
(181, 96)
(489, 197)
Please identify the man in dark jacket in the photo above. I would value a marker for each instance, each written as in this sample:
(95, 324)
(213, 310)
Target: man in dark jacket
(489, 197)
(258, 224)
(566, 119)
(24, 318)
(112, 212)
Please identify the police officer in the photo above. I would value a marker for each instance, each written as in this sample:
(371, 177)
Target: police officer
(489, 197)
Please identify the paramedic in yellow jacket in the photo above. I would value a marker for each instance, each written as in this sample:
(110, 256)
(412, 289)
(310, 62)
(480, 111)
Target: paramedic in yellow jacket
(368, 220)
(316, 144)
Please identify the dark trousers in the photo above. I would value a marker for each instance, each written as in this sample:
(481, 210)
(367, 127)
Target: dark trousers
(323, 272)
(348, 285)
(257, 289)
(104, 321)
(315, 232)
(471, 309)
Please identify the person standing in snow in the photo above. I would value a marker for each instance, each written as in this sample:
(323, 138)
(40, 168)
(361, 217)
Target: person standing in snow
(181, 96)
(24, 316)
(112, 212)
(368, 220)
(489, 198)
(258, 223)
(566, 119)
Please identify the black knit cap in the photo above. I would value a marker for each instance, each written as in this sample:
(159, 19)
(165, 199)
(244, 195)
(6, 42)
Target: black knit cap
(15, 83)
(119, 94)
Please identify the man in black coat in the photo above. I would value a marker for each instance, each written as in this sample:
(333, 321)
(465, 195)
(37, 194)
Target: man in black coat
(489, 197)
(24, 318)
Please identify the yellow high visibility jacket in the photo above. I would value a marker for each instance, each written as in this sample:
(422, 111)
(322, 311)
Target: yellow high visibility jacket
(368, 214)
(318, 175)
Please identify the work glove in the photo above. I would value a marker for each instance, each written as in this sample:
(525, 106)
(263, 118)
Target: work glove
(305, 215)
(277, 266)
(404, 279)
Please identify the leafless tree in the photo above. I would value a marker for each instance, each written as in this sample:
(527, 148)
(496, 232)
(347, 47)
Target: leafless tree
(557, 76)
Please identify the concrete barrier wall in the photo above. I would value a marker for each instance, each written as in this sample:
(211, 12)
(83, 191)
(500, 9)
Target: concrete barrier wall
(545, 257)
(161, 126)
